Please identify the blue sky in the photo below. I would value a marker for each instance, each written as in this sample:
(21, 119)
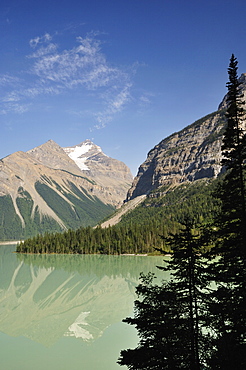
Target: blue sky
(125, 74)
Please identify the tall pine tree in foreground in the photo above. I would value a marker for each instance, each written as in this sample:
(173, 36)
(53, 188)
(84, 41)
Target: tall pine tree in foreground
(232, 192)
(170, 318)
(228, 306)
(197, 319)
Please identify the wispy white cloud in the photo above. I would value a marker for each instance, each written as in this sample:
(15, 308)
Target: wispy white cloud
(11, 97)
(52, 71)
(121, 99)
(114, 105)
(83, 65)
(7, 80)
(144, 99)
(16, 108)
(40, 40)
(44, 50)
(144, 102)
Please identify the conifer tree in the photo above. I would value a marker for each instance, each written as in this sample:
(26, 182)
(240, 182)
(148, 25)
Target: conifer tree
(228, 306)
(170, 317)
(231, 192)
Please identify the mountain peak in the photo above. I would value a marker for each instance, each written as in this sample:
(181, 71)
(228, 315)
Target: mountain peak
(50, 144)
(106, 171)
(52, 155)
(86, 142)
(81, 152)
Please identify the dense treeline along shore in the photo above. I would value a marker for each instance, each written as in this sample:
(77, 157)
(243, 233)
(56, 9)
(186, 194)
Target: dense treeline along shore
(140, 231)
(111, 240)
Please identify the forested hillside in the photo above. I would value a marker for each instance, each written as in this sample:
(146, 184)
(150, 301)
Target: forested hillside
(141, 230)
(73, 209)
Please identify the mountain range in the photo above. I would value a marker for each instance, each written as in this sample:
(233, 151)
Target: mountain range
(50, 188)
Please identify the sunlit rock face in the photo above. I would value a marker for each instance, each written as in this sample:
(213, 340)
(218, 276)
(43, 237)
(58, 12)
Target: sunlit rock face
(46, 190)
(188, 155)
(191, 154)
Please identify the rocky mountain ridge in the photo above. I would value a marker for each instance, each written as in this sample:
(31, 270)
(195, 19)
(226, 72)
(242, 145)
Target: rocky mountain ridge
(191, 154)
(44, 190)
(188, 155)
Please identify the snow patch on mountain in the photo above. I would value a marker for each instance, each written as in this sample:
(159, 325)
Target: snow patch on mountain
(80, 153)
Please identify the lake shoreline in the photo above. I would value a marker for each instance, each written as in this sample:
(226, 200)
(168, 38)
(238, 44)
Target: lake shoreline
(13, 242)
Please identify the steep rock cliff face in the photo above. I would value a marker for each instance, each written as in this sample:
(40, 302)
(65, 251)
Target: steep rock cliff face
(191, 154)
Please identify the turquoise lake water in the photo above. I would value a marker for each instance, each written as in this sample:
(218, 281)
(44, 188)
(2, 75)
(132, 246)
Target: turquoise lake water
(65, 311)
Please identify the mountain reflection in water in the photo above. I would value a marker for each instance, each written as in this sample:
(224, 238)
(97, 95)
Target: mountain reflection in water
(46, 297)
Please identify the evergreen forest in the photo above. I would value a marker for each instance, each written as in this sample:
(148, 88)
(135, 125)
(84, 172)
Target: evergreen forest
(140, 231)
